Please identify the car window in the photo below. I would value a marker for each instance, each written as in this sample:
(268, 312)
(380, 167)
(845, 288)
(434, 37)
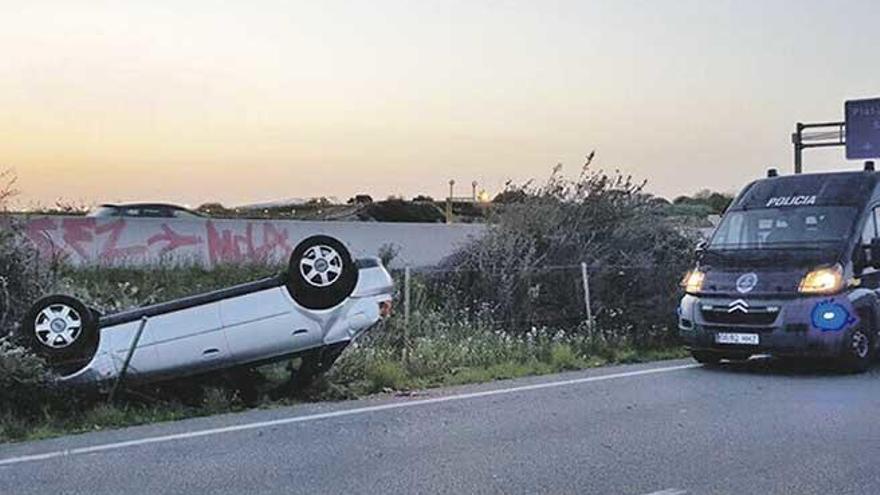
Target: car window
(148, 212)
(185, 214)
(104, 211)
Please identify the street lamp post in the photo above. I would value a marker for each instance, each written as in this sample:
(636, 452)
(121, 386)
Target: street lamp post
(449, 201)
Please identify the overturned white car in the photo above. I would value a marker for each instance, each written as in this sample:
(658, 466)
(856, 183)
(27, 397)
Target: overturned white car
(322, 302)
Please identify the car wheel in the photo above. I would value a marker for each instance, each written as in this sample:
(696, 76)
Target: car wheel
(858, 350)
(706, 357)
(321, 273)
(62, 330)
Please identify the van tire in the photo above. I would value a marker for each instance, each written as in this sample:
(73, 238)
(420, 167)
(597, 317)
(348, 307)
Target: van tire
(321, 273)
(706, 357)
(858, 351)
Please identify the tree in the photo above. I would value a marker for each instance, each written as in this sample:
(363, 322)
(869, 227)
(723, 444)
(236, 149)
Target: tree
(716, 202)
(213, 209)
(360, 199)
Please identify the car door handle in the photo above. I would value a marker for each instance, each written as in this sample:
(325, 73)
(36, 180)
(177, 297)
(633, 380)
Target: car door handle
(209, 353)
(301, 331)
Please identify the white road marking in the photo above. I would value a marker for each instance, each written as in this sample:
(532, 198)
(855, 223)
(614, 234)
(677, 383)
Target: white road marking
(335, 414)
(669, 491)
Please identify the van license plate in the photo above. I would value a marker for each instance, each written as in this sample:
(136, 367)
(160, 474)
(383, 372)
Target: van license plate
(736, 338)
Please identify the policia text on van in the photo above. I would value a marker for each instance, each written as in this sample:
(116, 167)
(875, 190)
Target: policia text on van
(792, 270)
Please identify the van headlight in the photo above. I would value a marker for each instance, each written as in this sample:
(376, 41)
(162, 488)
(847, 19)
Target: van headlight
(693, 281)
(826, 280)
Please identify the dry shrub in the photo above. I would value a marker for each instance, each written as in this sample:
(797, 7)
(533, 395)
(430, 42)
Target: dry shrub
(525, 271)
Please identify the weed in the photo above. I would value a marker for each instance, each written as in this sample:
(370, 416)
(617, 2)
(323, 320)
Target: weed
(384, 374)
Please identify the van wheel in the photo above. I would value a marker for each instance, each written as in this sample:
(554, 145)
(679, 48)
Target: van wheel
(62, 330)
(737, 356)
(321, 273)
(858, 351)
(706, 357)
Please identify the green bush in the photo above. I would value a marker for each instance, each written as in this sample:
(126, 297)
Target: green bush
(563, 358)
(25, 381)
(24, 276)
(13, 427)
(218, 400)
(525, 272)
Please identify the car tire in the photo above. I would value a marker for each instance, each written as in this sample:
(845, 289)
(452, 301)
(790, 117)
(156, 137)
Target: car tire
(321, 273)
(62, 330)
(706, 357)
(858, 351)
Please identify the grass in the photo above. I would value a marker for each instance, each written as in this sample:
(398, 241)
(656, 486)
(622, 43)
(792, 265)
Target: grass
(389, 374)
(356, 377)
(443, 350)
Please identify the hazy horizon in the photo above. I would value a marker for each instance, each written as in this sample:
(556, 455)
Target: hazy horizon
(193, 101)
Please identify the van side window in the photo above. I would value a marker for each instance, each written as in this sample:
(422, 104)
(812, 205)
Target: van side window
(876, 217)
(869, 232)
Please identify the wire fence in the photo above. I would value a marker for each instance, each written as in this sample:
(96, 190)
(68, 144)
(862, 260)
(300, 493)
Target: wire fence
(458, 315)
(631, 303)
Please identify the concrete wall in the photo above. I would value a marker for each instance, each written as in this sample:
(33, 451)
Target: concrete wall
(138, 241)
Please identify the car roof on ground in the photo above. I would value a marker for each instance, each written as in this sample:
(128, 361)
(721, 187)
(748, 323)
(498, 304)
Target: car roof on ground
(144, 205)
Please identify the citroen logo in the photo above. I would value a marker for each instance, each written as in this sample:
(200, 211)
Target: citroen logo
(738, 305)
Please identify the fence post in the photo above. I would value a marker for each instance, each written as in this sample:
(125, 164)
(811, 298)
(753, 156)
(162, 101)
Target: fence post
(407, 283)
(585, 278)
(134, 343)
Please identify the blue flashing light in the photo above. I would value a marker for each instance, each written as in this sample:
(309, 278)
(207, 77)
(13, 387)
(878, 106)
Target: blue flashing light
(830, 316)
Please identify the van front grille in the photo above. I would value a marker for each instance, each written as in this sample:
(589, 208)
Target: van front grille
(722, 315)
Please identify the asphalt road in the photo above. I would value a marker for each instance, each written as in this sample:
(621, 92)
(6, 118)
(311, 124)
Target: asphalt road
(662, 428)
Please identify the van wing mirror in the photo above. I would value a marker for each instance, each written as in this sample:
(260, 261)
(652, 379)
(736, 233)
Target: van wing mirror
(700, 249)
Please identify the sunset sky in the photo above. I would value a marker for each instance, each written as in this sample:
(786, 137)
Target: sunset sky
(193, 101)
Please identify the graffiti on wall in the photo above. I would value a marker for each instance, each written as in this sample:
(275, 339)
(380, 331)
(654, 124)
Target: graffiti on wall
(208, 242)
(121, 240)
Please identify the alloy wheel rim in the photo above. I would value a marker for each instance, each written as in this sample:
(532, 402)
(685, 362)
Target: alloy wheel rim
(320, 266)
(58, 326)
(860, 344)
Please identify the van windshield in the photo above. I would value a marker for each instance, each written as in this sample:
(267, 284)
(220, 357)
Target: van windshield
(774, 228)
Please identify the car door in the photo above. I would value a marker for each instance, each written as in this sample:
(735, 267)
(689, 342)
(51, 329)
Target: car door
(265, 324)
(189, 340)
(119, 339)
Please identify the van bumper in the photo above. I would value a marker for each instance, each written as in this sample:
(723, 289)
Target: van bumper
(804, 326)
